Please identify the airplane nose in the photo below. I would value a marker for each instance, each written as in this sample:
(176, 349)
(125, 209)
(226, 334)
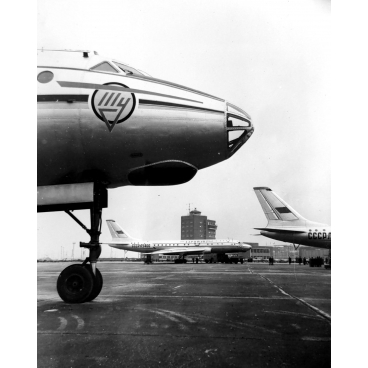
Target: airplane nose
(239, 127)
(247, 246)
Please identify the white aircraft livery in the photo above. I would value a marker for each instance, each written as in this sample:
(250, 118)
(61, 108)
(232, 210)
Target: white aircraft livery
(287, 225)
(121, 240)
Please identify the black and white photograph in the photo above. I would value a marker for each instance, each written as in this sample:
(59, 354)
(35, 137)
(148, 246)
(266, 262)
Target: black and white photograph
(183, 174)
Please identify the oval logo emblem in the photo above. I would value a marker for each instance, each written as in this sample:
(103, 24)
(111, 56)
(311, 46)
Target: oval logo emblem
(113, 107)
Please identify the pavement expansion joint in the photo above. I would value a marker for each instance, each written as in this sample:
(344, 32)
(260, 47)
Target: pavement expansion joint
(325, 315)
(217, 318)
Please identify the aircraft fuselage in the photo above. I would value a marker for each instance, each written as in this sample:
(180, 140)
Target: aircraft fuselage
(100, 123)
(214, 246)
(315, 237)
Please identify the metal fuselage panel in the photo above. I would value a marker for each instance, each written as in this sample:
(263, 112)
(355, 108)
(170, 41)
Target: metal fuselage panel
(75, 145)
(319, 238)
(148, 247)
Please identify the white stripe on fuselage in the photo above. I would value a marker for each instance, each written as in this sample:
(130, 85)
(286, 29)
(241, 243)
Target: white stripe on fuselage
(142, 246)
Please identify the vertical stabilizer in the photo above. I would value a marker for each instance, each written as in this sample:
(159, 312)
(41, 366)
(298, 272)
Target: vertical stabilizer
(116, 231)
(274, 207)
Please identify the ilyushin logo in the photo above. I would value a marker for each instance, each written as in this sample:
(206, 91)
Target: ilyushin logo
(113, 107)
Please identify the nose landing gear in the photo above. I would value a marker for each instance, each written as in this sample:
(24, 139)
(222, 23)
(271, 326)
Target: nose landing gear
(75, 284)
(181, 259)
(81, 283)
(78, 284)
(148, 259)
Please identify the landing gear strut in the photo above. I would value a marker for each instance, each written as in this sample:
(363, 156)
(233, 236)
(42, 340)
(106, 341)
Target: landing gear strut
(181, 259)
(81, 283)
(148, 259)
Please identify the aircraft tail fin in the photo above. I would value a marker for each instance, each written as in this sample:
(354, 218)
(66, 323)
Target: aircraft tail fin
(116, 231)
(274, 207)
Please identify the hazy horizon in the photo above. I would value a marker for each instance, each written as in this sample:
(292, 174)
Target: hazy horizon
(270, 58)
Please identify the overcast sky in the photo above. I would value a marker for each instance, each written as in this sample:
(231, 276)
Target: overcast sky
(271, 58)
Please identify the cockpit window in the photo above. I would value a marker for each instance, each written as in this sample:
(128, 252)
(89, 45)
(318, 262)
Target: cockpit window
(104, 67)
(128, 70)
(144, 73)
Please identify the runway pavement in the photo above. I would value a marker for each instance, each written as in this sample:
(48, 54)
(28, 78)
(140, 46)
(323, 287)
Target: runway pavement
(189, 315)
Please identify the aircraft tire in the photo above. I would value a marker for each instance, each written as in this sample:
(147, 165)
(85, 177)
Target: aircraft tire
(75, 284)
(97, 285)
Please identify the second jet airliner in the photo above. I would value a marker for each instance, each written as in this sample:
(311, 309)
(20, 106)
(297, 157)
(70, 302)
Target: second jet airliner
(121, 240)
(287, 225)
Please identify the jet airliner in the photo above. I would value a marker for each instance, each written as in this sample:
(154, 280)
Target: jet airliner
(121, 240)
(287, 225)
(103, 124)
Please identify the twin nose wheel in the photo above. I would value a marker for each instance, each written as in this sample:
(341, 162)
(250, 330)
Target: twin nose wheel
(78, 284)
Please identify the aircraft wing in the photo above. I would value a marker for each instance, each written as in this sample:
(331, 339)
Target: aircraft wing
(183, 250)
(281, 230)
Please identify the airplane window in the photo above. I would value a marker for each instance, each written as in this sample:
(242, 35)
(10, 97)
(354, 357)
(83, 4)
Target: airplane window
(128, 70)
(104, 67)
(237, 128)
(234, 134)
(45, 77)
(144, 73)
(236, 121)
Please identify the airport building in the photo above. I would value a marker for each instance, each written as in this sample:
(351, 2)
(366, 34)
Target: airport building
(197, 226)
(284, 251)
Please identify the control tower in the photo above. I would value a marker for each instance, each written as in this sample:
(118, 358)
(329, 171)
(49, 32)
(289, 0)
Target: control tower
(197, 226)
